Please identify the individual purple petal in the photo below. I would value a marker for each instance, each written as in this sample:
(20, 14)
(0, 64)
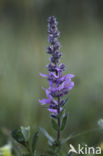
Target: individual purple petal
(53, 89)
(69, 76)
(53, 74)
(44, 101)
(54, 110)
(43, 75)
(48, 94)
(67, 81)
(71, 85)
(50, 84)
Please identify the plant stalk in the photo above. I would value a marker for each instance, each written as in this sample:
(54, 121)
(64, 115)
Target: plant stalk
(27, 147)
(58, 121)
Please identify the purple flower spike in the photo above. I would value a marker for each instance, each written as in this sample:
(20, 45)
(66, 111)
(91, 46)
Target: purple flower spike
(59, 85)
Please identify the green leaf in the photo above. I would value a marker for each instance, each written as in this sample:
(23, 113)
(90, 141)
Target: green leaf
(63, 124)
(26, 132)
(45, 133)
(66, 139)
(34, 140)
(18, 136)
(54, 124)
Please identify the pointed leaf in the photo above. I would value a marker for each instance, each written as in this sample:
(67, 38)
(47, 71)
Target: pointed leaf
(45, 133)
(54, 124)
(18, 136)
(63, 124)
(26, 132)
(34, 140)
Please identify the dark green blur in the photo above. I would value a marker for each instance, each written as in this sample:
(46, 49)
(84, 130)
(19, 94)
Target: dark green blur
(23, 42)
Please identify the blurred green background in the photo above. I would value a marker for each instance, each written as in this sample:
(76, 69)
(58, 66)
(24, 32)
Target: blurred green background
(23, 42)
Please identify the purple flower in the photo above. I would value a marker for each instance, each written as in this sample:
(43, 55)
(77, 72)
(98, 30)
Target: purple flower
(59, 85)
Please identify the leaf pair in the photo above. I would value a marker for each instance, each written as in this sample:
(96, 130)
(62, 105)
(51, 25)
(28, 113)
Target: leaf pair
(19, 136)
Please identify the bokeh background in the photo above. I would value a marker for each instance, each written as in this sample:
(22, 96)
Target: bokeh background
(23, 42)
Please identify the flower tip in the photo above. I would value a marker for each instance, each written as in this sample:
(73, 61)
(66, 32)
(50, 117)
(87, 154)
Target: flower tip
(40, 101)
(43, 75)
(72, 75)
(71, 85)
(44, 101)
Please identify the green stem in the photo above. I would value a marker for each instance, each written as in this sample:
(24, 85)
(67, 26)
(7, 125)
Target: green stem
(58, 121)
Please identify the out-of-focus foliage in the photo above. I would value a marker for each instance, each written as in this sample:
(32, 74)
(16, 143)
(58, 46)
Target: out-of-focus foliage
(6, 150)
(23, 41)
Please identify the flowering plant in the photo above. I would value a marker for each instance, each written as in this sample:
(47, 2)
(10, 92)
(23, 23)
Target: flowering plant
(59, 85)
